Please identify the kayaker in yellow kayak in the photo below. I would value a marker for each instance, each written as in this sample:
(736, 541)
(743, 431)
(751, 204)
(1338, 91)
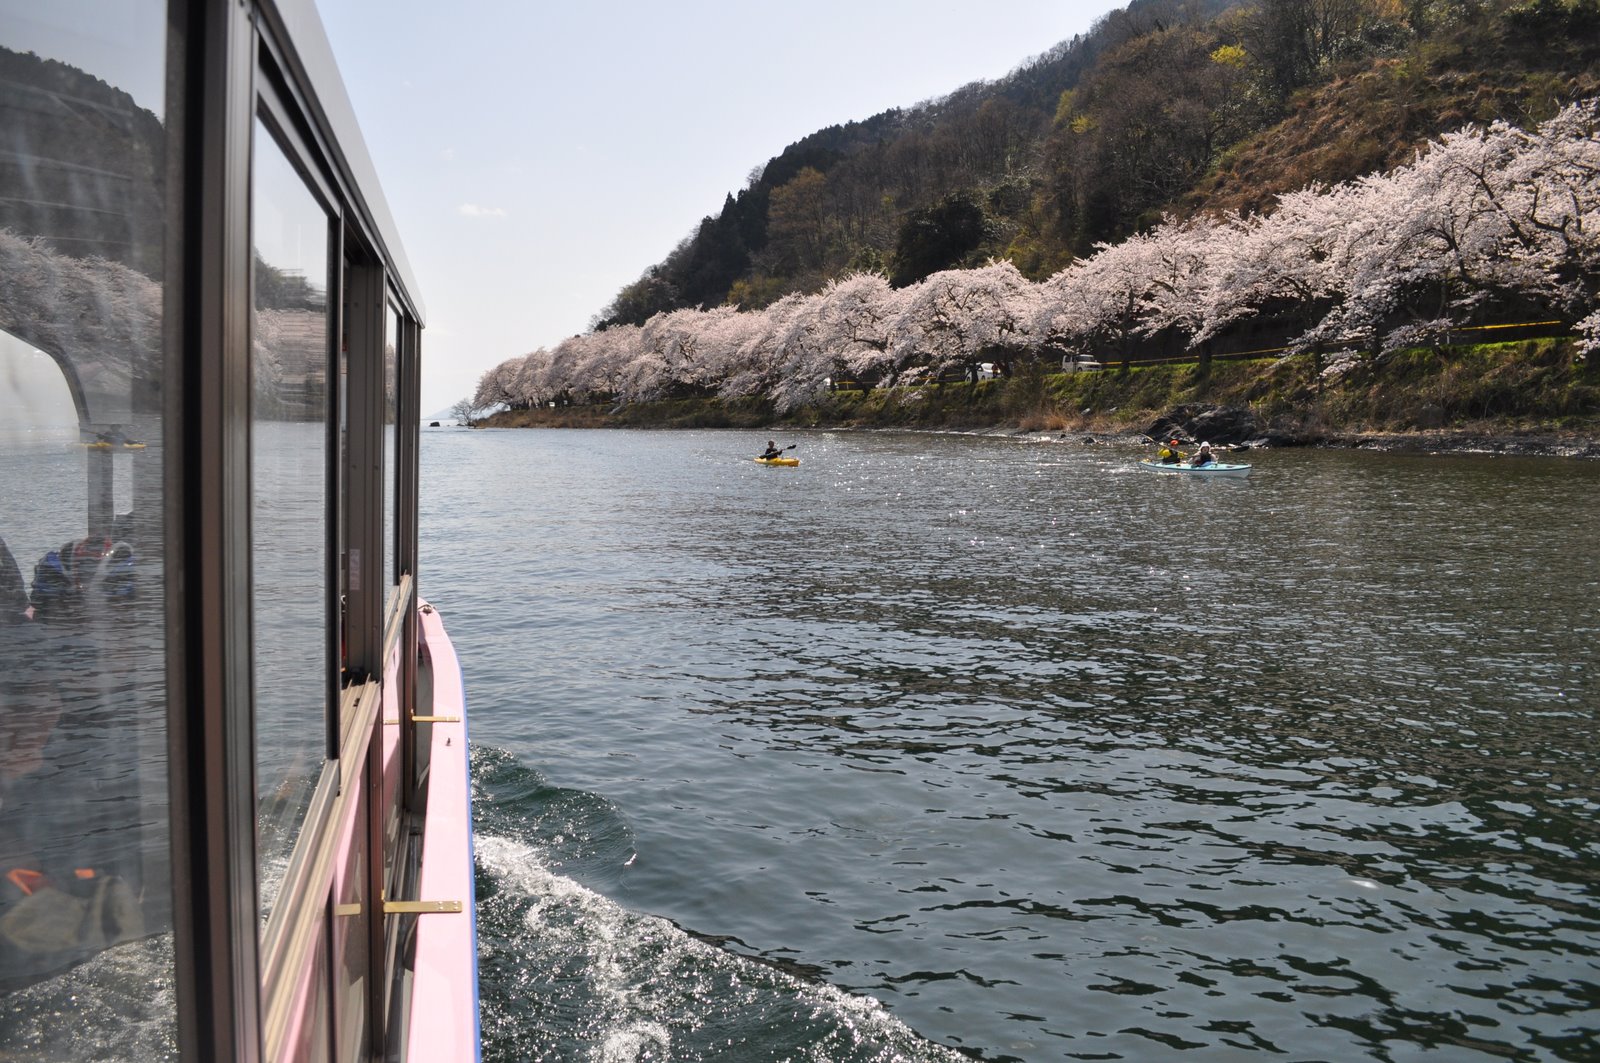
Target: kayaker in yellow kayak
(773, 451)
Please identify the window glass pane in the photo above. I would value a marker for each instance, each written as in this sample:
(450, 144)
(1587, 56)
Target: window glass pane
(347, 557)
(85, 896)
(289, 486)
(391, 399)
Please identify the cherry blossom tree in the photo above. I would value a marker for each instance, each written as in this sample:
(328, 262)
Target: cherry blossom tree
(1481, 212)
(1417, 247)
(671, 359)
(857, 313)
(1182, 257)
(951, 317)
(497, 386)
(775, 354)
(532, 384)
(564, 380)
(577, 366)
(1099, 299)
(1589, 335)
(742, 348)
(1551, 191)
(1281, 261)
(603, 359)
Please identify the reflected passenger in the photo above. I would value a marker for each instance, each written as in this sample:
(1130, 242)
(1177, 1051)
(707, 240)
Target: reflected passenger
(69, 825)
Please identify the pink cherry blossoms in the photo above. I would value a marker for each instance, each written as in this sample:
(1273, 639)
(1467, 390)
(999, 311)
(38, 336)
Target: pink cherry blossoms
(1486, 220)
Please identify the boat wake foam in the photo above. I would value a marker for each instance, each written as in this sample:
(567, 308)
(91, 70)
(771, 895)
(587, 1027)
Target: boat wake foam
(568, 973)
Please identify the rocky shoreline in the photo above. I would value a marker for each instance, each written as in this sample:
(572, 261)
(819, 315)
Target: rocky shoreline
(1237, 428)
(1545, 445)
(1439, 442)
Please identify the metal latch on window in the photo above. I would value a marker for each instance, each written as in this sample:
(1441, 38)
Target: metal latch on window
(421, 907)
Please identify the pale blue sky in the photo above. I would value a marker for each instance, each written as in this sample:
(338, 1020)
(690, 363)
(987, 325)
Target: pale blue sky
(537, 157)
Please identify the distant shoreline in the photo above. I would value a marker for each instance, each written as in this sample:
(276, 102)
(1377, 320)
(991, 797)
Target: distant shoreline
(1532, 397)
(1484, 441)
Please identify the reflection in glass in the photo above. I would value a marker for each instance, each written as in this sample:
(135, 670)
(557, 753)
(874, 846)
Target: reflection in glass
(85, 896)
(289, 487)
(391, 398)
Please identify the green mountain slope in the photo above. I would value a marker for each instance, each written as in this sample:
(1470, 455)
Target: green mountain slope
(1519, 66)
(1167, 106)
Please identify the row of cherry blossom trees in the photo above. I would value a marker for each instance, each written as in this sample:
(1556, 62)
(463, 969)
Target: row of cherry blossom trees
(1484, 218)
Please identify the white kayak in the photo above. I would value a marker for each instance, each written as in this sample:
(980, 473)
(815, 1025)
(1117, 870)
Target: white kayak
(1215, 468)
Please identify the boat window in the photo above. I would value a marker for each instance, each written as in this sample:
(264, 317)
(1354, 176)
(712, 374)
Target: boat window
(391, 400)
(348, 558)
(291, 606)
(85, 891)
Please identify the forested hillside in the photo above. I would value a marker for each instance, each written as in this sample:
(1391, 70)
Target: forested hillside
(1489, 228)
(1169, 107)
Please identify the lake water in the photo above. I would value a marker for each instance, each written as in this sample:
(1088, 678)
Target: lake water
(942, 747)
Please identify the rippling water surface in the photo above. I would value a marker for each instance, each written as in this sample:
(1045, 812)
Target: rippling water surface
(1005, 747)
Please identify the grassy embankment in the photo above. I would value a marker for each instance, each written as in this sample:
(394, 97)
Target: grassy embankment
(1505, 389)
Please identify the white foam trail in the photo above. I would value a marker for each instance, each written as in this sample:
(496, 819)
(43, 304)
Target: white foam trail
(629, 958)
(625, 1046)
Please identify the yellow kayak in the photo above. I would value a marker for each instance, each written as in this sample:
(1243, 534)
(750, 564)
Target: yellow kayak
(778, 461)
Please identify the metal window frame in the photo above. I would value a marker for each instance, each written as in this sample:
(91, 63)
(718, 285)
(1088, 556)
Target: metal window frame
(392, 568)
(223, 56)
(363, 502)
(408, 444)
(212, 778)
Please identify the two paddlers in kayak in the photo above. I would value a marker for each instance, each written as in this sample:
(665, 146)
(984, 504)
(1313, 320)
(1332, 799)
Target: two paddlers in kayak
(1171, 455)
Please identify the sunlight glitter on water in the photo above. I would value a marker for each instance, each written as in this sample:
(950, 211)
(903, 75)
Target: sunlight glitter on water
(1211, 769)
